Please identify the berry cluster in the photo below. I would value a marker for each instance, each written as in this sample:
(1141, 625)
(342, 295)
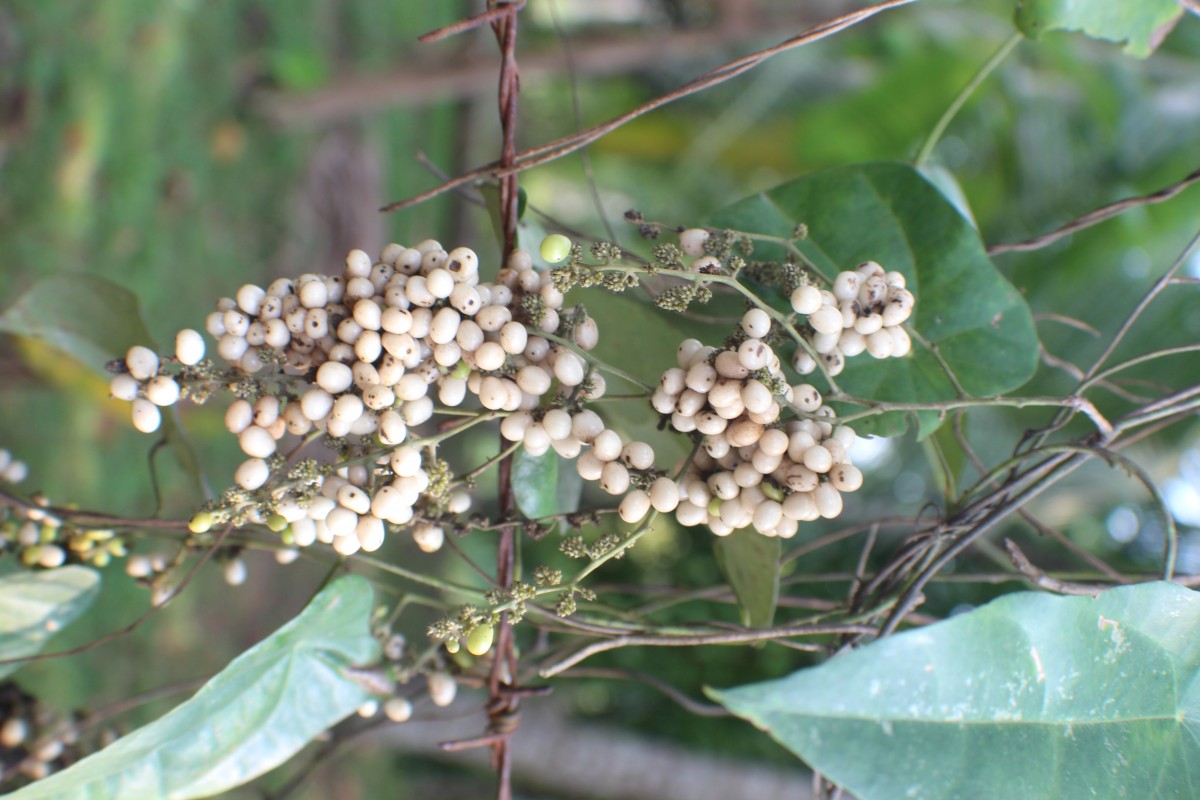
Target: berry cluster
(41, 539)
(358, 359)
(865, 311)
(35, 740)
(752, 470)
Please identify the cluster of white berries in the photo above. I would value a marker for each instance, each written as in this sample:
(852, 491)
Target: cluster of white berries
(752, 470)
(37, 740)
(41, 539)
(865, 312)
(364, 354)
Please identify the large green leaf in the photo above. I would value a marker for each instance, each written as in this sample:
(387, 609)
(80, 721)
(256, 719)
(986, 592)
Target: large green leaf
(887, 212)
(36, 605)
(750, 562)
(254, 715)
(1031, 696)
(1140, 24)
(85, 316)
(546, 484)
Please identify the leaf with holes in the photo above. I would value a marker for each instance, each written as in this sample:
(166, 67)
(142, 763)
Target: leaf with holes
(36, 605)
(980, 325)
(258, 712)
(1140, 24)
(1032, 696)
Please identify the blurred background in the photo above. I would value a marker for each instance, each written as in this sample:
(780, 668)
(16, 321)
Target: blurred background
(182, 148)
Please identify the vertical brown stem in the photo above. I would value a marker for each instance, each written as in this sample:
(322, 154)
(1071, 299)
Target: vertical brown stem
(503, 706)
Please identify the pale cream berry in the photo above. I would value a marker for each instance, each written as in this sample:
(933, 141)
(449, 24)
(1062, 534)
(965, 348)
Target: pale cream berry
(767, 515)
(513, 426)
(358, 263)
(614, 478)
(806, 299)
(252, 473)
(347, 408)
(124, 387)
(417, 411)
(370, 533)
(316, 404)
(214, 323)
(743, 433)
(846, 477)
(256, 442)
(442, 688)
(754, 354)
(534, 380)
(557, 423)
(828, 500)
(146, 416)
(490, 356)
(606, 445)
(142, 362)
(235, 572)
(664, 495)
(569, 369)
(354, 498)
(879, 344)
(398, 709)
(634, 506)
(756, 323)
(334, 377)
(587, 334)
(189, 347)
(692, 241)
(846, 285)
(826, 319)
(851, 343)
(341, 522)
(638, 455)
(428, 538)
(802, 362)
(346, 545)
(687, 348)
(162, 390)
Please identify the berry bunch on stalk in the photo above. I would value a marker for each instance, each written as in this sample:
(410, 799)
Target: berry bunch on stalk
(357, 361)
(386, 360)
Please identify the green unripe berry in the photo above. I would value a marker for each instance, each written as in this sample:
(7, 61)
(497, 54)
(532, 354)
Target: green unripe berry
(772, 491)
(462, 370)
(714, 507)
(452, 646)
(479, 640)
(202, 522)
(555, 248)
(276, 523)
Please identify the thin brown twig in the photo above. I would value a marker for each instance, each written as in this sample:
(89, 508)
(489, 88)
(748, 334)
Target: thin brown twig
(566, 145)
(739, 636)
(1040, 579)
(492, 15)
(687, 703)
(1095, 217)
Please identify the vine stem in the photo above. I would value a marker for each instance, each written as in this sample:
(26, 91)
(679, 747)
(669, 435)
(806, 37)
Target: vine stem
(569, 144)
(503, 705)
(947, 117)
